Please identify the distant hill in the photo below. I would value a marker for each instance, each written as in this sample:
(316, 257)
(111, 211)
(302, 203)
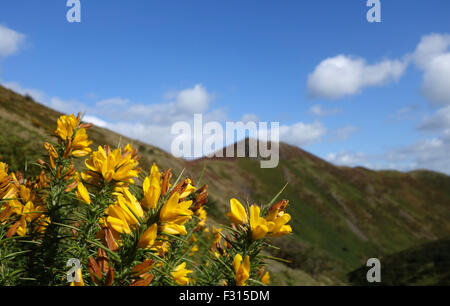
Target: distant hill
(425, 265)
(341, 216)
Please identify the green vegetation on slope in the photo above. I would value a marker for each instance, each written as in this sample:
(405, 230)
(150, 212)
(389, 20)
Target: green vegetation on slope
(425, 265)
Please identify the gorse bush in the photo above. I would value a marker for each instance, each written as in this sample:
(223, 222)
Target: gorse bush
(110, 223)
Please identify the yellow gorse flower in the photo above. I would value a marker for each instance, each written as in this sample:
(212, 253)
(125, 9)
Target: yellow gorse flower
(241, 269)
(122, 214)
(277, 219)
(66, 126)
(112, 165)
(278, 227)
(148, 238)
(7, 190)
(174, 214)
(188, 189)
(77, 141)
(161, 245)
(258, 225)
(237, 212)
(179, 274)
(265, 279)
(80, 144)
(20, 203)
(152, 188)
(273, 225)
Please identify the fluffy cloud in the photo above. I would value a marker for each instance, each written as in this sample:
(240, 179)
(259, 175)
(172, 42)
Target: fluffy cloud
(432, 55)
(180, 107)
(436, 81)
(10, 41)
(429, 47)
(347, 158)
(154, 134)
(152, 123)
(194, 100)
(343, 75)
(302, 134)
(94, 120)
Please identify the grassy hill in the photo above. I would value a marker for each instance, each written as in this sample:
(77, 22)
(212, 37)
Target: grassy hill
(341, 216)
(427, 264)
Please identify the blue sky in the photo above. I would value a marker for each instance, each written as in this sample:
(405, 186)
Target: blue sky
(349, 91)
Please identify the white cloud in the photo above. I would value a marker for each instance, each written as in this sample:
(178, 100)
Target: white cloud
(318, 110)
(302, 134)
(194, 100)
(439, 121)
(52, 102)
(163, 113)
(154, 134)
(432, 55)
(436, 80)
(37, 95)
(370, 161)
(429, 47)
(427, 154)
(343, 75)
(10, 41)
(94, 120)
(150, 123)
(431, 154)
(347, 158)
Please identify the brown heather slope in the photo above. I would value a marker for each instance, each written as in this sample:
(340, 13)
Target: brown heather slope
(341, 216)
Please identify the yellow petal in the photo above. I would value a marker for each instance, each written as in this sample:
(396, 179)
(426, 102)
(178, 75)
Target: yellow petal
(266, 278)
(118, 225)
(149, 236)
(174, 229)
(237, 213)
(83, 194)
(237, 262)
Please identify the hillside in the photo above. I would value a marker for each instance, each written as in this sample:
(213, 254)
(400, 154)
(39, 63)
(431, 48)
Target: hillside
(341, 216)
(428, 264)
